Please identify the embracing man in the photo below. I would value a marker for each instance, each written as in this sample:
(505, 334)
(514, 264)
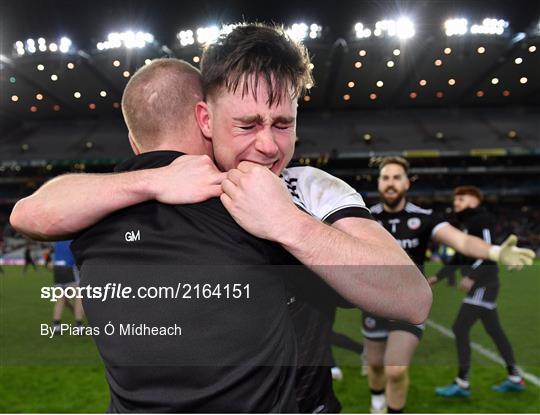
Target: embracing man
(242, 355)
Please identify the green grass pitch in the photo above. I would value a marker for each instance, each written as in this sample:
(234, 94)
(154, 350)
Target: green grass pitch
(64, 374)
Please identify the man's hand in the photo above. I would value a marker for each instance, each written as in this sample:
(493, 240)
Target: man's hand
(466, 284)
(432, 281)
(258, 201)
(188, 179)
(512, 256)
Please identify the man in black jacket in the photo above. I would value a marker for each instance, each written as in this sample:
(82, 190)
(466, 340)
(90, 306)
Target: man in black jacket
(481, 281)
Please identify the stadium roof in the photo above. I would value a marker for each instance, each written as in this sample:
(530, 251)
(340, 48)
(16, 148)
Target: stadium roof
(61, 59)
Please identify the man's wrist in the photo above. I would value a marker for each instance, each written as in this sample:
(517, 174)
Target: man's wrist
(143, 185)
(494, 253)
(296, 229)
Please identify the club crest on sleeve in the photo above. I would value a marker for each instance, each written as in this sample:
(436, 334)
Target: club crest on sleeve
(370, 322)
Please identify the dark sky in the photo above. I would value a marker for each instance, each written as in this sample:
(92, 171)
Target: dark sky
(87, 22)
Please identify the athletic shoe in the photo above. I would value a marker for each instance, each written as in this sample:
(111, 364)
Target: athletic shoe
(508, 386)
(453, 390)
(337, 374)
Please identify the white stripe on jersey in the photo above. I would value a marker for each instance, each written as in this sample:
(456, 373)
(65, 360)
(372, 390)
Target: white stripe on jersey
(412, 208)
(477, 263)
(437, 227)
(380, 334)
(376, 209)
(487, 235)
(478, 299)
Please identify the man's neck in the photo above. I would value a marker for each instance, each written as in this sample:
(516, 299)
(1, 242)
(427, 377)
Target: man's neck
(398, 208)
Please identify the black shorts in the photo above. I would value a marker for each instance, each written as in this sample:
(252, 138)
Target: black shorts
(65, 276)
(484, 296)
(377, 328)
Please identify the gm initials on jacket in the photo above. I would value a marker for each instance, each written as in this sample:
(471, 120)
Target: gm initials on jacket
(132, 236)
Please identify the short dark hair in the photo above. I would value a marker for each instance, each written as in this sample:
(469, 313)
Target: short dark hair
(255, 50)
(469, 190)
(395, 160)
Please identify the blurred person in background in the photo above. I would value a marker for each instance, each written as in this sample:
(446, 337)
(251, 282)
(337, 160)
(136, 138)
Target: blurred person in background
(390, 344)
(480, 280)
(28, 260)
(65, 275)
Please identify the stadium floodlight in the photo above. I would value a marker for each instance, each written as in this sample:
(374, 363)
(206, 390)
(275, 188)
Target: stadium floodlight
(226, 29)
(301, 31)
(298, 31)
(128, 39)
(65, 44)
(19, 47)
(186, 37)
(489, 27)
(31, 46)
(361, 31)
(204, 35)
(207, 35)
(456, 27)
(315, 31)
(403, 28)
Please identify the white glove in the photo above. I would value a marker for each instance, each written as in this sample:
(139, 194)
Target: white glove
(509, 254)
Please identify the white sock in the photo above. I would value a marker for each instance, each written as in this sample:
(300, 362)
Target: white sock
(378, 401)
(462, 383)
(514, 378)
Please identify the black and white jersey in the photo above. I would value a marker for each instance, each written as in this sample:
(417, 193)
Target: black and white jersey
(322, 195)
(328, 199)
(412, 227)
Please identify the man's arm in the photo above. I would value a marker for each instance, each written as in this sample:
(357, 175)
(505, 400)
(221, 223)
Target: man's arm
(70, 203)
(508, 253)
(355, 256)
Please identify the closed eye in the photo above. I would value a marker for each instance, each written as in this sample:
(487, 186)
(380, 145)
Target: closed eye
(247, 127)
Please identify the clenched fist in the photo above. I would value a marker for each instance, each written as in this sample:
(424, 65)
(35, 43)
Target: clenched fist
(258, 201)
(188, 179)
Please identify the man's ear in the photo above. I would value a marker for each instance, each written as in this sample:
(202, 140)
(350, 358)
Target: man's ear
(134, 145)
(204, 118)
